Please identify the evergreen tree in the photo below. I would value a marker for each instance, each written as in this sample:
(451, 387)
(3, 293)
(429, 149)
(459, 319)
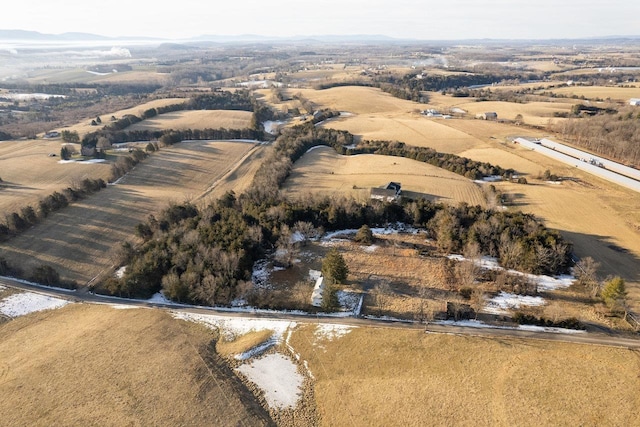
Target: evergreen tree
(334, 267)
(364, 235)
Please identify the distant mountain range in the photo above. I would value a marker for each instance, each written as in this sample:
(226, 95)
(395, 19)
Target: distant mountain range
(23, 35)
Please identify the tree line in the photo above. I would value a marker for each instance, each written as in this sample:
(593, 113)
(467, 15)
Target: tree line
(28, 216)
(616, 136)
(115, 132)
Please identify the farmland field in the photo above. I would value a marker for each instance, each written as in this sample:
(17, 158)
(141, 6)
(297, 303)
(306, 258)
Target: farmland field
(378, 377)
(534, 113)
(85, 127)
(196, 119)
(90, 365)
(358, 100)
(29, 174)
(78, 239)
(412, 129)
(603, 92)
(324, 171)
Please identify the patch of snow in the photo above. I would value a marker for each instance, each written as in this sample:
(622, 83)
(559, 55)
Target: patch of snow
(159, 298)
(257, 350)
(503, 302)
(278, 377)
(2, 288)
(29, 302)
(239, 302)
(536, 328)
(346, 114)
(469, 324)
(377, 231)
(272, 126)
(120, 272)
(330, 332)
(533, 328)
(371, 248)
(232, 327)
(544, 283)
(297, 237)
(316, 147)
(122, 306)
(317, 293)
(314, 274)
(96, 73)
(348, 300)
(260, 275)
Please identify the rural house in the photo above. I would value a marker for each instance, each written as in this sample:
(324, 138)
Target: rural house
(487, 116)
(389, 193)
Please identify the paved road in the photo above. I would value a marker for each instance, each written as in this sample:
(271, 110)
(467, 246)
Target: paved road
(610, 340)
(607, 174)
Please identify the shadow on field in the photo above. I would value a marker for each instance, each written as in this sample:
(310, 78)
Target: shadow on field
(614, 260)
(78, 240)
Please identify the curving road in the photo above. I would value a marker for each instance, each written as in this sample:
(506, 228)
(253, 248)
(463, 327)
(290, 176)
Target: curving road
(591, 338)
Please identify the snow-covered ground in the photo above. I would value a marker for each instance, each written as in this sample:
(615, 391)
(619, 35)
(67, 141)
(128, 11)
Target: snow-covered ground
(377, 231)
(2, 288)
(278, 377)
(272, 126)
(503, 302)
(544, 283)
(478, 324)
(28, 302)
(159, 298)
(232, 327)
(82, 162)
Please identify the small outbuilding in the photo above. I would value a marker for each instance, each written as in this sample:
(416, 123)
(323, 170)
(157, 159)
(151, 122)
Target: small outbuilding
(52, 134)
(490, 115)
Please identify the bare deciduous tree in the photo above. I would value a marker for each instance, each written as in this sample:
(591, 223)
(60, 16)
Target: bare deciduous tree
(586, 271)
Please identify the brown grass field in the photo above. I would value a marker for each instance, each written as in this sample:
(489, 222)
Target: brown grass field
(78, 239)
(85, 127)
(413, 129)
(80, 75)
(357, 100)
(622, 94)
(29, 174)
(196, 119)
(533, 113)
(324, 171)
(382, 377)
(95, 365)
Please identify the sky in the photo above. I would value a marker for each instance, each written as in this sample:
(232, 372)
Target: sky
(415, 19)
